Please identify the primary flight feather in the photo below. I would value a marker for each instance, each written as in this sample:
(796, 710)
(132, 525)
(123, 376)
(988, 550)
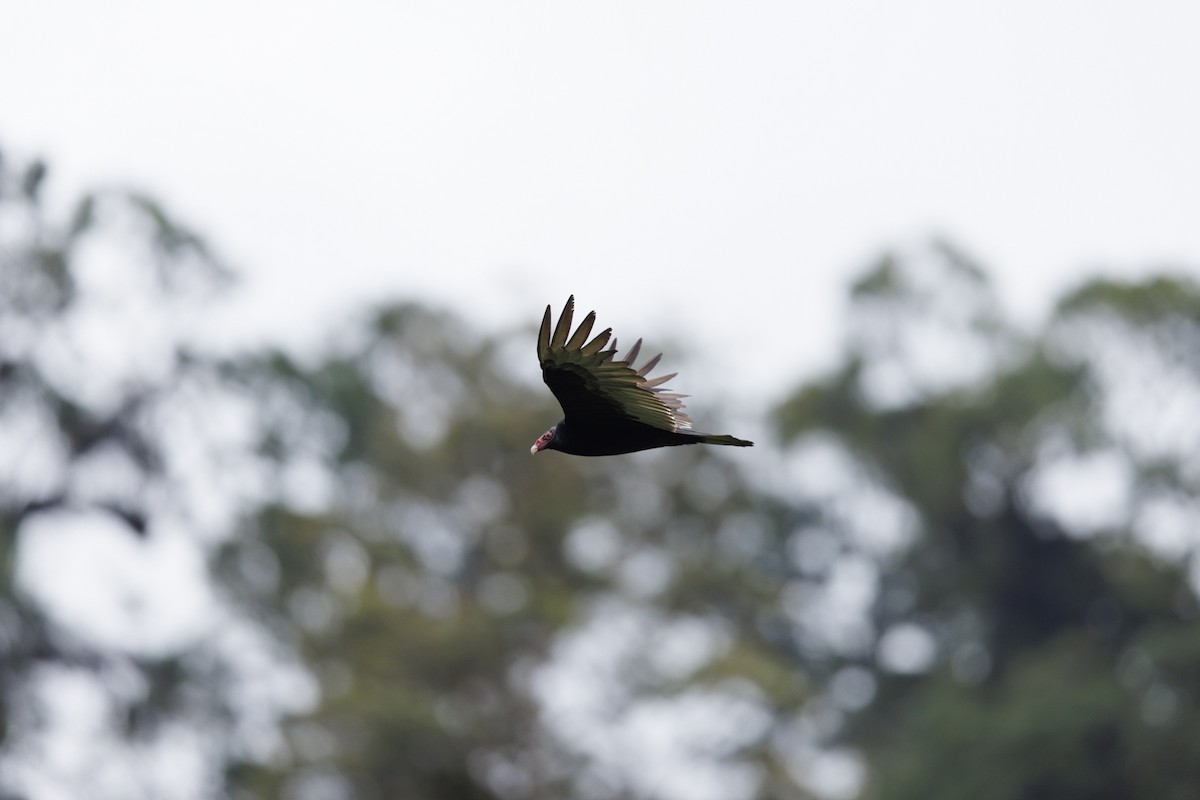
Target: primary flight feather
(609, 407)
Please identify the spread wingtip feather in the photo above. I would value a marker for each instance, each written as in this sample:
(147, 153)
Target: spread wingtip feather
(564, 325)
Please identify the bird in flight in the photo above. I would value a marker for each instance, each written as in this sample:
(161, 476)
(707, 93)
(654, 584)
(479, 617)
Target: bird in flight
(609, 407)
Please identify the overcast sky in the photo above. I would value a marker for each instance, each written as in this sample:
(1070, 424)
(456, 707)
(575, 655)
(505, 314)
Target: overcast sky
(725, 167)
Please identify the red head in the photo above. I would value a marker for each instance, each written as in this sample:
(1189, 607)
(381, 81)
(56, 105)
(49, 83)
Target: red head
(543, 441)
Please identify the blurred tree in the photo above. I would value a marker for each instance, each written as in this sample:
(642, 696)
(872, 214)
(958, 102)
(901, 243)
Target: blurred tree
(471, 621)
(965, 573)
(488, 624)
(1035, 634)
(116, 670)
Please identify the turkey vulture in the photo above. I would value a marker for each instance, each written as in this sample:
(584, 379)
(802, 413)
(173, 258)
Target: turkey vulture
(608, 406)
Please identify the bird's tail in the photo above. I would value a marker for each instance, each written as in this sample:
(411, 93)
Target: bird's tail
(721, 438)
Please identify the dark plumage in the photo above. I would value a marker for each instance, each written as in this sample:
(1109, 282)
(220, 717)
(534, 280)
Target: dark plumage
(608, 406)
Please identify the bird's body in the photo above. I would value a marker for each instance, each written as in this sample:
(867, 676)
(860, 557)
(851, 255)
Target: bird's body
(613, 440)
(609, 407)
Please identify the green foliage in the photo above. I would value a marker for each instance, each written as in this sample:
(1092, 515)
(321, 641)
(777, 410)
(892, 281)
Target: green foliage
(470, 561)
(1146, 302)
(962, 560)
(82, 444)
(1035, 625)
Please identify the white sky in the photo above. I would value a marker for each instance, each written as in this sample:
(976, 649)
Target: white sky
(726, 167)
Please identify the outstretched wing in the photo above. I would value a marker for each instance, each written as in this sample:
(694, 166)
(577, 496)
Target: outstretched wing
(594, 386)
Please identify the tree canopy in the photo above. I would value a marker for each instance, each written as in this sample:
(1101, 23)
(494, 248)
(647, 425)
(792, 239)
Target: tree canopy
(962, 565)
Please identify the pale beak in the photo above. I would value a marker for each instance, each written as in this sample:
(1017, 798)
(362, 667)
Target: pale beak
(534, 449)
